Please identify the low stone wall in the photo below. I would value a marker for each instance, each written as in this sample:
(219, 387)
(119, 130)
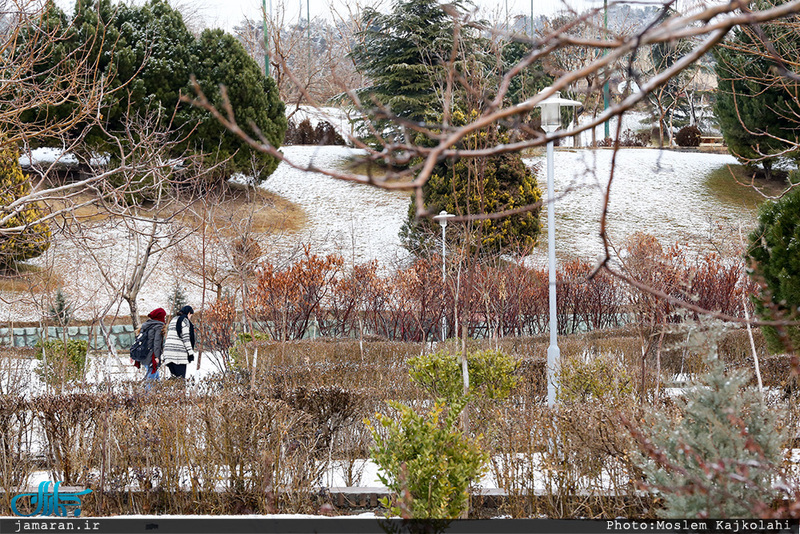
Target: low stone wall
(121, 336)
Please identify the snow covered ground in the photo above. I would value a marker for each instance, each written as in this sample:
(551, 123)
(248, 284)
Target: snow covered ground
(659, 192)
(662, 193)
(359, 222)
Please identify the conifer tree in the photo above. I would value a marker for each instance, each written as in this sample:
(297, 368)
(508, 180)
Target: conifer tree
(404, 54)
(145, 58)
(254, 98)
(775, 255)
(718, 458)
(756, 105)
(24, 236)
(478, 186)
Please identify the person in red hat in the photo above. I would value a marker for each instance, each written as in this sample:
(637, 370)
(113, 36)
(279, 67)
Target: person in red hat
(154, 328)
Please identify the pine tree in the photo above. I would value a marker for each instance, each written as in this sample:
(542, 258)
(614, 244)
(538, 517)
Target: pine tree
(254, 98)
(25, 236)
(718, 457)
(756, 105)
(61, 310)
(403, 53)
(775, 255)
(177, 299)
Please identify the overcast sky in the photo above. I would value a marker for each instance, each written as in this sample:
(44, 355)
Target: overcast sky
(228, 13)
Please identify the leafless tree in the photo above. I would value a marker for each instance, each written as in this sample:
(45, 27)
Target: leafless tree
(141, 207)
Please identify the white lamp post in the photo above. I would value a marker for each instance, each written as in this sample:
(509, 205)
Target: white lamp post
(442, 218)
(551, 121)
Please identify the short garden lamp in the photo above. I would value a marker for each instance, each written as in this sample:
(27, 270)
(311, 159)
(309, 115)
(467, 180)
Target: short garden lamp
(442, 218)
(551, 121)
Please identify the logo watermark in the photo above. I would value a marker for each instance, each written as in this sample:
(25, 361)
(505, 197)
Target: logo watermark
(50, 503)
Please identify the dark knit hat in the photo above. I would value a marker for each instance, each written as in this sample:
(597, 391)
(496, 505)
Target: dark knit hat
(186, 310)
(158, 314)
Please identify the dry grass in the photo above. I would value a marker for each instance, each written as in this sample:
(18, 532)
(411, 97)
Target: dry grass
(30, 277)
(269, 212)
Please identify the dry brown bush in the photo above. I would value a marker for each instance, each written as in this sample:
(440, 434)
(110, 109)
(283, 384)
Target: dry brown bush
(232, 445)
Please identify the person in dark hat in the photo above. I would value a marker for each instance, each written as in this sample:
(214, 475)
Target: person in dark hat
(154, 329)
(179, 345)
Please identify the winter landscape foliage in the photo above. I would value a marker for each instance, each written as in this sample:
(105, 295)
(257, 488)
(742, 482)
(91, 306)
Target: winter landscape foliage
(347, 340)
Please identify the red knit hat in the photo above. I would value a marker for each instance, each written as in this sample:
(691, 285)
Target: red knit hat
(158, 314)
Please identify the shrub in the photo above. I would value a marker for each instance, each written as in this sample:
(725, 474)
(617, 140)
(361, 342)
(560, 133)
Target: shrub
(219, 329)
(239, 359)
(495, 183)
(492, 374)
(718, 456)
(34, 237)
(326, 134)
(602, 377)
(688, 136)
(61, 363)
(69, 422)
(628, 138)
(426, 461)
(300, 134)
(631, 138)
(773, 254)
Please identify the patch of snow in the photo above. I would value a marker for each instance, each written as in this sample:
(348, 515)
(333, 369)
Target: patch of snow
(662, 193)
(50, 155)
(358, 221)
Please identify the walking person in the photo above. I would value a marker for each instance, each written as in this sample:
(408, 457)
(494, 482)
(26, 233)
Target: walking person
(179, 346)
(152, 333)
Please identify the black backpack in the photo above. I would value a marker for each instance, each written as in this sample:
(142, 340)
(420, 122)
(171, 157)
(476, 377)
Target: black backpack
(141, 349)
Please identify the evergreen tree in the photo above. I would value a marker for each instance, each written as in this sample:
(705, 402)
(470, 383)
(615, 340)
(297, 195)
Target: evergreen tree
(531, 81)
(254, 98)
(775, 264)
(177, 299)
(718, 458)
(61, 310)
(154, 59)
(756, 105)
(145, 57)
(478, 186)
(57, 56)
(403, 53)
(29, 237)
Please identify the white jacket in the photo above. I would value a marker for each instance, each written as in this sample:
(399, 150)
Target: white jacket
(178, 348)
